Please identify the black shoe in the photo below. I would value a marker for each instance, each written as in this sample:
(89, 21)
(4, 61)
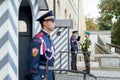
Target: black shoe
(84, 70)
(88, 71)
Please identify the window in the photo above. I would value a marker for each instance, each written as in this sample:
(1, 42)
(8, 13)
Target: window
(22, 26)
(65, 13)
(69, 16)
(58, 4)
(58, 33)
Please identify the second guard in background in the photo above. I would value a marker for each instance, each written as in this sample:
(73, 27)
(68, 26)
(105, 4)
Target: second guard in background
(74, 49)
(86, 51)
(41, 53)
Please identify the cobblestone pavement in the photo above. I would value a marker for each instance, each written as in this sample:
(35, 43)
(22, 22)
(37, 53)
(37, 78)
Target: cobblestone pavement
(106, 73)
(68, 77)
(100, 74)
(72, 77)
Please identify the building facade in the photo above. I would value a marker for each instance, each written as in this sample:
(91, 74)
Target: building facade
(18, 25)
(66, 10)
(70, 9)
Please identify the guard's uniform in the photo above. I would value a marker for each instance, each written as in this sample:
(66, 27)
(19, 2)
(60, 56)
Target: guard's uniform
(86, 53)
(74, 50)
(41, 53)
(41, 49)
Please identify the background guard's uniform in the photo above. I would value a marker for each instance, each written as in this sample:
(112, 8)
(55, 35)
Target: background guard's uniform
(74, 50)
(86, 53)
(41, 48)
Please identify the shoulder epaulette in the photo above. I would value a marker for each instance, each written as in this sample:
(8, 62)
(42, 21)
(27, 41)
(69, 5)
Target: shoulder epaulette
(39, 35)
(43, 45)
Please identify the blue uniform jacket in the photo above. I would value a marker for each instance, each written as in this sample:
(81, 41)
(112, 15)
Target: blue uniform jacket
(36, 56)
(73, 42)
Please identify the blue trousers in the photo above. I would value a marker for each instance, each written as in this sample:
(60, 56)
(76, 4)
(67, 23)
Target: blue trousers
(73, 61)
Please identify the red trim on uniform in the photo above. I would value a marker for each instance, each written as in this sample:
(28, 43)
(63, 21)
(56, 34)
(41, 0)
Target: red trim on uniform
(43, 47)
(39, 35)
(32, 70)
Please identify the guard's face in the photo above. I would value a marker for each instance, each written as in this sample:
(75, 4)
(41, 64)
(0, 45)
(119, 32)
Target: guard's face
(75, 34)
(87, 36)
(50, 25)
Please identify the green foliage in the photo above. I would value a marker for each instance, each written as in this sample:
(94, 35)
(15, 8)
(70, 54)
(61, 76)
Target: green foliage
(90, 24)
(116, 33)
(110, 9)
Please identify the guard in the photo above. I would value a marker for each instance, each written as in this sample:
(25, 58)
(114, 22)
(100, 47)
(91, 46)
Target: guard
(86, 51)
(41, 52)
(74, 49)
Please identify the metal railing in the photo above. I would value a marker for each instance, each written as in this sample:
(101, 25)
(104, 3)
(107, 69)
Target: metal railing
(85, 75)
(117, 48)
(103, 49)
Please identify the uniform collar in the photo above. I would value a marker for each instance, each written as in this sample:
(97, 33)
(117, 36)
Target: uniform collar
(45, 32)
(73, 36)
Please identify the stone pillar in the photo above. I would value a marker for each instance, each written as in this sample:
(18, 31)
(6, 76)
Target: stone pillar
(82, 24)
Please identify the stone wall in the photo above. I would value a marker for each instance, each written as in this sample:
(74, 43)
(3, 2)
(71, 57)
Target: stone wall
(110, 62)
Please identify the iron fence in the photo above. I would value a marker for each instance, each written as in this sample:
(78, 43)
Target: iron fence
(117, 48)
(76, 75)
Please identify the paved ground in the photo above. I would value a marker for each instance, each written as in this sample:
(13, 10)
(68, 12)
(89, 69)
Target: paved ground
(100, 74)
(106, 73)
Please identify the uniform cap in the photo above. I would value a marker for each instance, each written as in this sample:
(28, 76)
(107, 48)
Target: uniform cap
(75, 32)
(87, 32)
(47, 16)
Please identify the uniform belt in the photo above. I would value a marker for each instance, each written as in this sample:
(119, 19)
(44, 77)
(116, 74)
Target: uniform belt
(44, 67)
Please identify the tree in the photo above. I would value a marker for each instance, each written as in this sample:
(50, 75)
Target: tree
(106, 11)
(90, 24)
(116, 33)
(110, 9)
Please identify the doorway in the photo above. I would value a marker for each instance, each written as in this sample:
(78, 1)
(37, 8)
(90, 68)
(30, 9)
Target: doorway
(25, 36)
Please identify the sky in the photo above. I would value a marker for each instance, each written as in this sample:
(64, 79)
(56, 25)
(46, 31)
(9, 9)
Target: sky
(90, 8)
